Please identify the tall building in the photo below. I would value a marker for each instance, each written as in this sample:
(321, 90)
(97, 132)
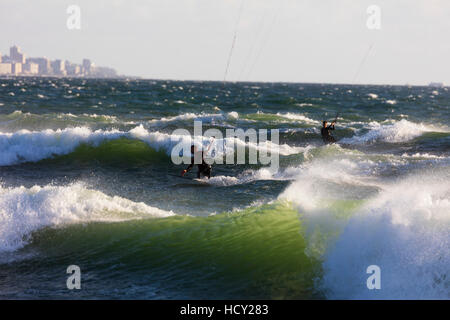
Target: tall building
(72, 69)
(16, 68)
(15, 55)
(30, 68)
(58, 67)
(5, 68)
(44, 65)
(87, 66)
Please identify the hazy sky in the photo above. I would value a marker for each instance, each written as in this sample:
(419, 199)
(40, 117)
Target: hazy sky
(277, 40)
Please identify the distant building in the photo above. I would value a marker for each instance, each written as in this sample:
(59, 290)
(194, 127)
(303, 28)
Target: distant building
(73, 69)
(15, 55)
(87, 66)
(5, 68)
(58, 67)
(436, 84)
(16, 68)
(43, 63)
(30, 68)
(104, 72)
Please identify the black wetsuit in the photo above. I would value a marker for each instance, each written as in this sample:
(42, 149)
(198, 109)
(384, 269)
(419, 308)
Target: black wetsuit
(326, 135)
(203, 168)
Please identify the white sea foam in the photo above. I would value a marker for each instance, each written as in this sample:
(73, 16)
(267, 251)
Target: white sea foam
(24, 145)
(249, 176)
(391, 102)
(419, 155)
(24, 210)
(27, 145)
(403, 227)
(340, 176)
(31, 146)
(205, 117)
(297, 117)
(405, 231)
(392, 131)
(159, 140)
(233, 115)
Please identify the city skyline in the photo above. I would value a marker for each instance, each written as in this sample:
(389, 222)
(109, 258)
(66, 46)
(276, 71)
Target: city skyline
(17, 64)
(66, 68)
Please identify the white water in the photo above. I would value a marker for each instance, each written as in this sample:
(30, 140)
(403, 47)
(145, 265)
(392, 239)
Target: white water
(31, 146)
(405, 231)
(398, 131)
(403, 227)
(24, 210)
(252, 175)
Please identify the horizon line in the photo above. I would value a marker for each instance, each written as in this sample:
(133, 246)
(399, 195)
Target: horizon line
(129, 77)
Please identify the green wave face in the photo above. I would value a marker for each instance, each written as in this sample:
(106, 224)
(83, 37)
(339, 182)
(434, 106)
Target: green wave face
(255, 253)
(120, 152)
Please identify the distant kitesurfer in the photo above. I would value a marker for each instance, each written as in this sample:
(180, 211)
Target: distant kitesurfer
(325, 131)
(203, 168)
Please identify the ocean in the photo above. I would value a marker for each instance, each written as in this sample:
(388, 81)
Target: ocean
(87, 180)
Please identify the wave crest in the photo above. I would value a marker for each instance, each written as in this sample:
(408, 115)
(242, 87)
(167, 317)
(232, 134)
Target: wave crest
(24, 210)
(400, 131)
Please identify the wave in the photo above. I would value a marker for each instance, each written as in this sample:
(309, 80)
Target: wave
(297, 117)
(233, 115)
(295, 247)
(404, 231)
(421, 156)
(190, 116)
(234, 252)
(27, 120)
(279, 117)
(398, 131)
(121, 152)
(249, 176)
(25, 210)
(205, 117)
(353, 220)
(31, 146)
(25, 145)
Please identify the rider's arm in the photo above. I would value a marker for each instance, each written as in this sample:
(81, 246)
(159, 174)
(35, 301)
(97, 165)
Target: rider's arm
(188, 168)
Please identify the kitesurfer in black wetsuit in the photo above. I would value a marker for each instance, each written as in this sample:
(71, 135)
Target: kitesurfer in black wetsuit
(203, 168)
(325, 131)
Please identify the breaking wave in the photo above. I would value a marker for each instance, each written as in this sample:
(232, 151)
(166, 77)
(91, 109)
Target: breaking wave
(399, 131)
(25, 210)
(30, 146)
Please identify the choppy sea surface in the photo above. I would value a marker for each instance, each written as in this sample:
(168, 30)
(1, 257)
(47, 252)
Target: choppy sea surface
(87, 180)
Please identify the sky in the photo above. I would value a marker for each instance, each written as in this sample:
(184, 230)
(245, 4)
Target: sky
(326, 41)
